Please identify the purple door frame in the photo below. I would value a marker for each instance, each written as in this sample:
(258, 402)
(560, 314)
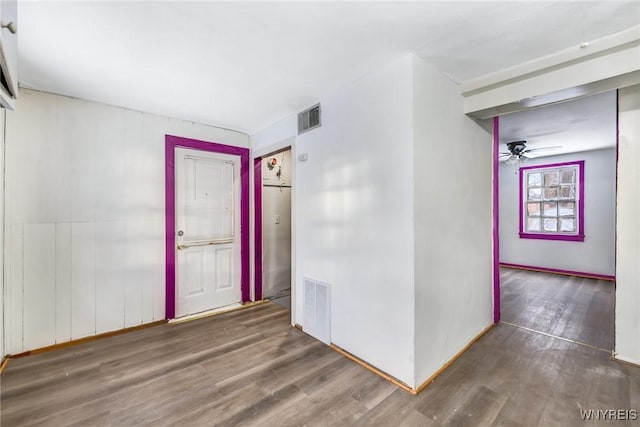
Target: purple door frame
(171, 143)
(257, 198)
(496, 222)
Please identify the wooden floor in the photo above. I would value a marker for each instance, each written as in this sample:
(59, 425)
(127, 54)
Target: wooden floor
(575, 308)
(250, 368)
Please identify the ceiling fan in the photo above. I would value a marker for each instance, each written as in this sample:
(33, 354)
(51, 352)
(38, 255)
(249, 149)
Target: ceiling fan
(518, 151)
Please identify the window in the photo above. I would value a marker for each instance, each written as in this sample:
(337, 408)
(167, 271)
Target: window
(552, 202)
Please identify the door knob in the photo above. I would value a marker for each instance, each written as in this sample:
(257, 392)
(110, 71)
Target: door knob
(11, 26)
(180, 233)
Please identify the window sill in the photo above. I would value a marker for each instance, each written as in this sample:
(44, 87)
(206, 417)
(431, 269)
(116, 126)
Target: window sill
(567, 238)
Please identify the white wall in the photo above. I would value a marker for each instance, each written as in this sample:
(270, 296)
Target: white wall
(373, 210)
(597, 253)
(282, 167)
(354, 214)
(2, 298)
(453, 222)
(277, 136)
(85, 217)
(276, 236)
(628, 228)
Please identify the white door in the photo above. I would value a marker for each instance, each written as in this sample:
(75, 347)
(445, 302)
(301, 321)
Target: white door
(207, 230)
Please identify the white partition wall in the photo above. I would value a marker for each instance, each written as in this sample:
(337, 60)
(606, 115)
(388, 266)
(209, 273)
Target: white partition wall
(85, 217)
(628, 228)
(377, 221)
(453, 222)
(354, 209)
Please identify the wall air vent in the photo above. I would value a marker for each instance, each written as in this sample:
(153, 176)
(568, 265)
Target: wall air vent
(309, 119)
(317, 310)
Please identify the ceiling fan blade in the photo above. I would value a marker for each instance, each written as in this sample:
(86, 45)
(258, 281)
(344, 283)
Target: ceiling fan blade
(542, 148)
(504, 154)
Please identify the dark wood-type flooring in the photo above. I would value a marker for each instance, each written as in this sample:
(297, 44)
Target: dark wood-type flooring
(250, 368)
(575, 308)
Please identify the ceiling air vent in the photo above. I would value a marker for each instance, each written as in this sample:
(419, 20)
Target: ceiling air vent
(309, 119)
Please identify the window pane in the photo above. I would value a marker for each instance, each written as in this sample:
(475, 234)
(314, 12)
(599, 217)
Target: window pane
(534, 179)
(533, 209)
(568, 225)
(533, 224)
(550, 224)
(568, 192)
(567, 208)
(550, 209)
(568, 176)
(535, 193)
(550, 193)
(551, 178)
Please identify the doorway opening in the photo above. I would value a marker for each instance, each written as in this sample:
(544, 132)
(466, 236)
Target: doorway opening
(273, 193)
(218, 246)
(546, 281)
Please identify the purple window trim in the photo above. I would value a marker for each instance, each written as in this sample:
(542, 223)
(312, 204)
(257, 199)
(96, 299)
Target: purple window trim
(171, 142)
(559, 271)
(257, 196)
(551, 236)
(496, 222)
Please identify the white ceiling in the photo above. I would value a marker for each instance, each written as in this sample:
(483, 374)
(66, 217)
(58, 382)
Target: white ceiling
(245, 65)
(584, 124)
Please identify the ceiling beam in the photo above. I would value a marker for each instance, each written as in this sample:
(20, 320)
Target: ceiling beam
(605, 64)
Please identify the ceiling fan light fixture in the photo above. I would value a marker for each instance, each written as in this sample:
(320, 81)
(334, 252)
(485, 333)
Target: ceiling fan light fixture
(512, 160)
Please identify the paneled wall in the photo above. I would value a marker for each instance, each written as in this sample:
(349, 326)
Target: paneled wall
(85, 217)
